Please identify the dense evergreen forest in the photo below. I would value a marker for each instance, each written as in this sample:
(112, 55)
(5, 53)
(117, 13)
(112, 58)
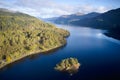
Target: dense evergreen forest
(22, 34)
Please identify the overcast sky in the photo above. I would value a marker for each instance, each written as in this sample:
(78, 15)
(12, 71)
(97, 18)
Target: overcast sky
(52, 8)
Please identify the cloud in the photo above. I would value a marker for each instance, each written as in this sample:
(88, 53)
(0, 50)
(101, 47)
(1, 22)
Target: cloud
(49, 8)
(102, 9)
(90, 8)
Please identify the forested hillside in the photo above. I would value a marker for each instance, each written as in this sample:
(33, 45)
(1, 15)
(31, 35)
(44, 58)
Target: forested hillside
(107, 20)
(21, 35)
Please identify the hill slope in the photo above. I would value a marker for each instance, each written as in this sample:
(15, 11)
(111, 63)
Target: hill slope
(22, 35)
(66, 19)
(109, 20)
(104, 21)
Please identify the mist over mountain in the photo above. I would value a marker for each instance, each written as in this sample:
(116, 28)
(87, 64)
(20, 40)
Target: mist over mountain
(67, 19)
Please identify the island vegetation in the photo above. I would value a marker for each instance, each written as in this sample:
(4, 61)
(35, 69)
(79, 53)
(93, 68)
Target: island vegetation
(70, 65)
(22, 35)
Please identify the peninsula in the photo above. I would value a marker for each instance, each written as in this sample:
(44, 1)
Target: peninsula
(22, 35)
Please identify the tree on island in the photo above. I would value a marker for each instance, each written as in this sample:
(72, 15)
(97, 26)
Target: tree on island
(70, 65)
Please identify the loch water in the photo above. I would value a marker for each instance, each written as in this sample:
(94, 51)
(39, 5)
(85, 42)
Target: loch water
(98, 55)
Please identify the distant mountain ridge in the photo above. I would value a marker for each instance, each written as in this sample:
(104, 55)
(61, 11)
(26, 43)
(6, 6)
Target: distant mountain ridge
(102, 21)
(66, 19)
(109, 20)
(96, 20)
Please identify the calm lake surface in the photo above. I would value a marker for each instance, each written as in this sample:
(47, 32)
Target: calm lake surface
(98, 54)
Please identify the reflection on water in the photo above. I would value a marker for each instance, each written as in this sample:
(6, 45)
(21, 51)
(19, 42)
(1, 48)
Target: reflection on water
(83, 31)
(99, 35)
(88, 32)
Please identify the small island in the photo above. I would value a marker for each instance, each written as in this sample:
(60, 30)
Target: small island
(70, 65)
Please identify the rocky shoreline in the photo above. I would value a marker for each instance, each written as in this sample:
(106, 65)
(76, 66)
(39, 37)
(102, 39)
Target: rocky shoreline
(31, 53)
